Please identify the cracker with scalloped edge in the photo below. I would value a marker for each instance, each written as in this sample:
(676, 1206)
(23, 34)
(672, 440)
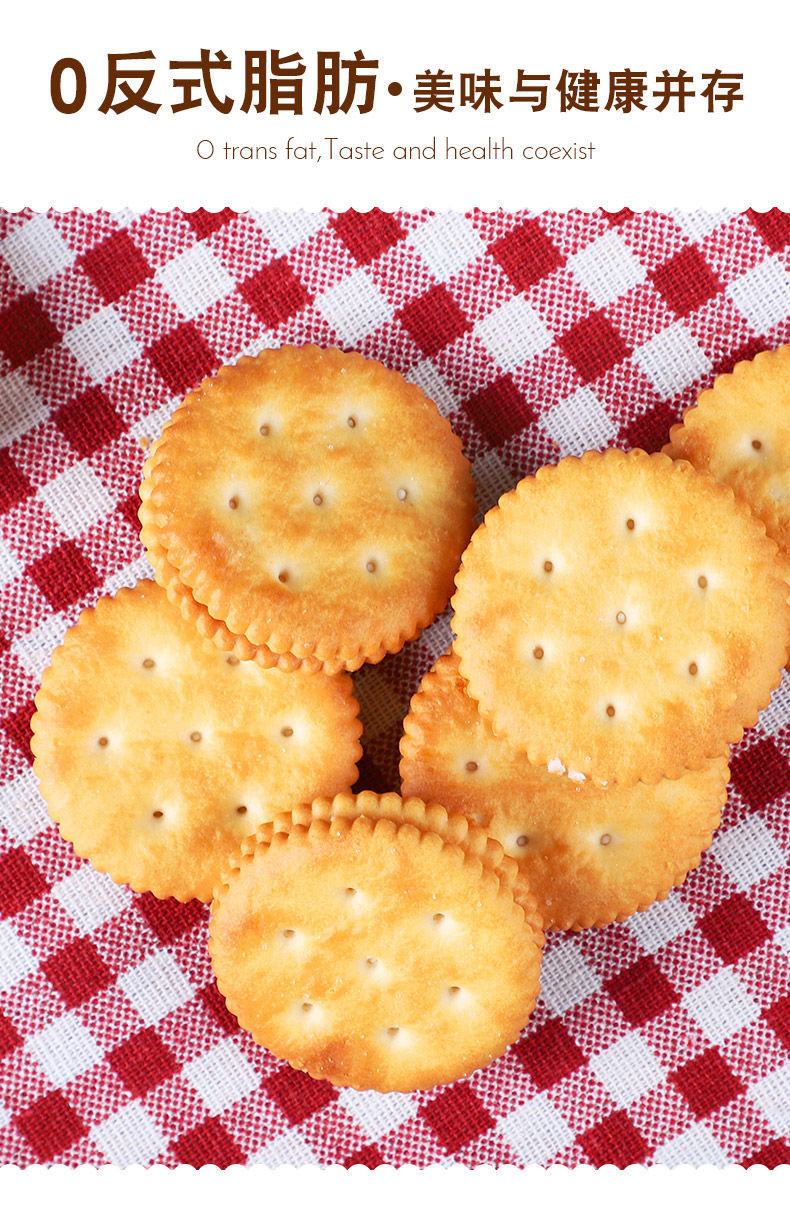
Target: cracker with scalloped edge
(313, 503)
(157, 753)
(622, 613)
(373, 955)
(739, 431)
(591, 854)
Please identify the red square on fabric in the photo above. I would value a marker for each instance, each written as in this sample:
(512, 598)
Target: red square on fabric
(526, 254)
(64, 575)
(641, 992)
(297, 1095)
(593, 346)
(733, 928)
(77, 972)
(457, 1116)
(686, 281)
(9, 1037)
(434, 319)
(218, 1008)
(368, 1157)
(26, 330)
(182, 358)
(20, 882)
(167, 918)
(208, 1143)
(777, 1016)
(17, 727)
(89, 421)
(749, 350)
(761, 774)
(620, 217)
(204, 223)
(649, 431)
(706, 1083)
(773, 226)
(129, 509)
(367, 234)
(50, 1125)
(615, 1140)
(770, 1156)
(115, 266)
(500, 410)
(14, 485)
(275, 293)
(143, 1062)
(549, 1054)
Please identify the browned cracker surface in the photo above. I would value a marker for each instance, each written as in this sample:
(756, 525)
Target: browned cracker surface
(591, 854)
(157, 753)
(373, 955)
(623, 614)
(739, 431)
(314, 502)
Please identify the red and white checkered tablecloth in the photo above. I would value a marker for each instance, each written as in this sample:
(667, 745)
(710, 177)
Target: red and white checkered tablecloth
(663, 1040)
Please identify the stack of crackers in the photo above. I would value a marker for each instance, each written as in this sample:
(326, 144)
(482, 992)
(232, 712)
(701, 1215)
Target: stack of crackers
(619, 619)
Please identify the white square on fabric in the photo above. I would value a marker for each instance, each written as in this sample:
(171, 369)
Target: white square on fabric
(64, 1049)
(23, 812)
(10, 566)
(748, 852)
(777, 714)
(693, 1147)
(535, 1130)
(771, 1095)
(77, 499)
(221, 1076)
(566, 978)
(701, 224)
(20, 408)
(578, 423)
(128, 575)
(672, 359)
(195, 280)
(761, 294)
(378, 1112)
(721, 1005)
(607, 268)
(129, 1137)
(513, 334)
(433, 386)
(290, 1148)
(627, 1069)
(155, 987)
(35, 252)
(447, 243)
(354, 307)
(660, 923)
(90, 898)
(16, 959)
(287, 230)
(34, 650)
(102, 344)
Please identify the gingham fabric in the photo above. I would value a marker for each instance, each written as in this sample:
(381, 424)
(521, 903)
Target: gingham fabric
(665, 1039)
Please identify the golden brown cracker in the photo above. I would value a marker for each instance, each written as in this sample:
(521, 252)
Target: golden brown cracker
(157, 753)
(313, 502)
(739, 431)
(591, 854)
(622, 613)
(373, 955)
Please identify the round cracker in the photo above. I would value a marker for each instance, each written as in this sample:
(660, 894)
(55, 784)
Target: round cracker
(591, 854)
(157, 753)
(623, 614)
(739, 431)
(373, 955)
(328, 522)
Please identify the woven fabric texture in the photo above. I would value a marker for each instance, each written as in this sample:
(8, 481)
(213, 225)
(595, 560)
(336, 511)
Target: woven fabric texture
(665, 1039)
